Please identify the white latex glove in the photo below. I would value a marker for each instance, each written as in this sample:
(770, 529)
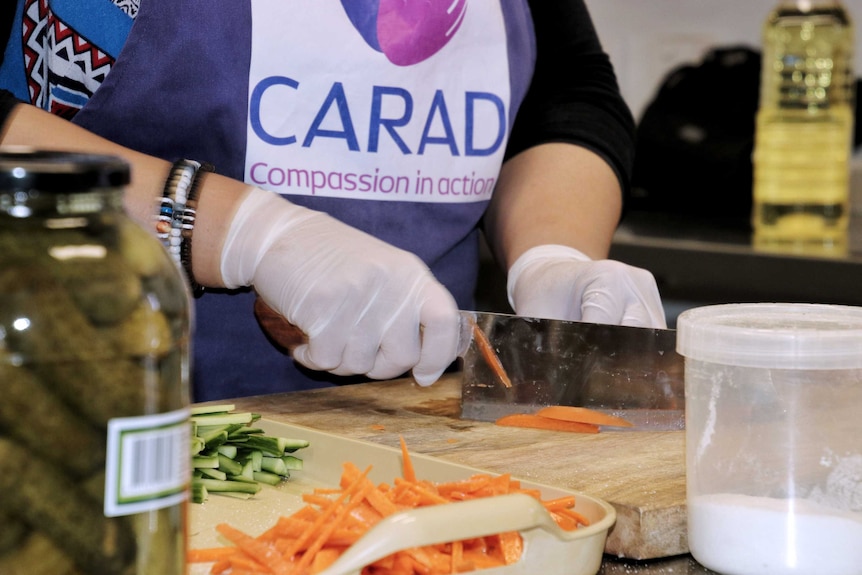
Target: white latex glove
(559, 282)
(367, 307)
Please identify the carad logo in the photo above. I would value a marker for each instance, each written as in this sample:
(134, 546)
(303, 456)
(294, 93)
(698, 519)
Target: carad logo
(406, 31)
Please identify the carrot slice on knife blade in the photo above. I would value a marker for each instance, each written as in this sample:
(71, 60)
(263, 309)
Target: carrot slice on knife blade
(489, 354)
(534, 421)
(583, 415)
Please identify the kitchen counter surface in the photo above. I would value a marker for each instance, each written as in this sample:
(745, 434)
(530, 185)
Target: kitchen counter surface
(642, 474)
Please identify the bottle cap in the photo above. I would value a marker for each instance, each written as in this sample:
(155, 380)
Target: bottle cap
(25, 170)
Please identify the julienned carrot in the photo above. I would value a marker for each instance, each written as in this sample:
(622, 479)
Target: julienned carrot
(327, 513)
(582, 415)
(427, 495)
(560, 503)
(257, 550)
(457, 556)
(538, 422)
(407, 469)
(313, 537)
(571, 513)
(308, 557)
(324, 559)
(511, 546)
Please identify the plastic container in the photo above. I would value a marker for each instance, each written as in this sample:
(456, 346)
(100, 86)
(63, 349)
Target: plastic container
(804, 133)
(94, 394)
(774, 437)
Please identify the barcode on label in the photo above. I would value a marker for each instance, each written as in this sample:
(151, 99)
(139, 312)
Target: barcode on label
(152, 462)
(147, 462)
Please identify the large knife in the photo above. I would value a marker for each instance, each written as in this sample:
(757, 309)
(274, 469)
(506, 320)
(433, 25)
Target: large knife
(631, 372)
(517, 364)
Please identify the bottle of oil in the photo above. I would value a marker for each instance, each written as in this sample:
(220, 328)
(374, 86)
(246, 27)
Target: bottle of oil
(804, 127)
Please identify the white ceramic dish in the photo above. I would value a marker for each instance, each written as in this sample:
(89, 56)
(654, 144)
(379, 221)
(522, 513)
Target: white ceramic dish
(547, 549)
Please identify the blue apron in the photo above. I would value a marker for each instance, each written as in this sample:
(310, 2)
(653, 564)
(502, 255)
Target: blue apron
(392, 118)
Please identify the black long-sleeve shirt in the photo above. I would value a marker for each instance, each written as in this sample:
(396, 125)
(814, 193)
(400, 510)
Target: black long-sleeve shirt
(574, 96)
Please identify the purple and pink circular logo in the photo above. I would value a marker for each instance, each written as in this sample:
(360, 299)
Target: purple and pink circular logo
(406, 32)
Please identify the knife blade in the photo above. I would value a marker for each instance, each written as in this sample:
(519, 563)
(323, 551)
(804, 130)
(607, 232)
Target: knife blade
(631, 372)
(518, 364)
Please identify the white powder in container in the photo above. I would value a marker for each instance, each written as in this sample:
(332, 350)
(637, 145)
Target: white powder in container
(744, 535)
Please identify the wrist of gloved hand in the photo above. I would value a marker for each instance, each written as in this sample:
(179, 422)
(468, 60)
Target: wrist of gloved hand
(560, 282)
(366, 307)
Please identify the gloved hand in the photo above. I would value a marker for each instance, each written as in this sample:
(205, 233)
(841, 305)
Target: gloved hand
(559, 282)
(367, 307)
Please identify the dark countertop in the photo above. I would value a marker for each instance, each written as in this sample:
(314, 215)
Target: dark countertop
(699, 261)
(711, 261)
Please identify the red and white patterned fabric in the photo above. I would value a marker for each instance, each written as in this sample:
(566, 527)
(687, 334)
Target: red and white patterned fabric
(63, 67)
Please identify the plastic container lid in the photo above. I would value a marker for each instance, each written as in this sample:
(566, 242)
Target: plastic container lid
(773, 335)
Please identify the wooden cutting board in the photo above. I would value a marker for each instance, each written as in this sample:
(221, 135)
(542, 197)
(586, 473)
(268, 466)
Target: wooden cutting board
(642, 474)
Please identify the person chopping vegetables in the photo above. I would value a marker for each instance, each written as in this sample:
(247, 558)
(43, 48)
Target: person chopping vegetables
(339, 160)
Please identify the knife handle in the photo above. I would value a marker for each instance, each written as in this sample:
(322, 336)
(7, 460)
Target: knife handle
(278, 327)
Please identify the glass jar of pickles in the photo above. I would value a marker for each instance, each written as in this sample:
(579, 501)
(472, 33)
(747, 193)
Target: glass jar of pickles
(94, 394)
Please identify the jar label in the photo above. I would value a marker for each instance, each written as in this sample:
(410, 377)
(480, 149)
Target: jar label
(148, 463)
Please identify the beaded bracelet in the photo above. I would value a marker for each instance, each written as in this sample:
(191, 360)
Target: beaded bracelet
(176, 217)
